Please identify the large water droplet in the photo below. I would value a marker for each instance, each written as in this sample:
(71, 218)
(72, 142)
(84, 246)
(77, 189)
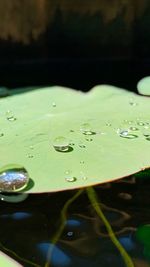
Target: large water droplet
(10, 116)
(148, 138)
(61, 144)
(13, 179)
(86, 129)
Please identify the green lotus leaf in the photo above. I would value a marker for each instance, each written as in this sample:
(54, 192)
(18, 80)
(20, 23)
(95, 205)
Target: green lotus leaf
(68, 139)
(143, 86)
(6, 261)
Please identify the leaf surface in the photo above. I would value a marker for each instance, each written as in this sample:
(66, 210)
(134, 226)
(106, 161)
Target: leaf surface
(107, 130)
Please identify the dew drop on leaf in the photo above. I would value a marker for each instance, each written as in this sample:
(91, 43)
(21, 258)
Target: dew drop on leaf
(82, 145)
(89, 139)
(10, 116)
(13, 179)
(86, 129)
(133, 128)
(71, 179)
(126, 134)
(53, 104)
(30, 156)
(61, 144)
(140, 123)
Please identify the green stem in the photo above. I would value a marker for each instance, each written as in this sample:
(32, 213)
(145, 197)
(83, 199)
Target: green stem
(96, 205)
(63, 218)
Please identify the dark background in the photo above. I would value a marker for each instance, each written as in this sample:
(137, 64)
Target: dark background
(74, 43)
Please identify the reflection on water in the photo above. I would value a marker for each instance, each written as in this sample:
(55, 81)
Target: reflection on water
(27, 227)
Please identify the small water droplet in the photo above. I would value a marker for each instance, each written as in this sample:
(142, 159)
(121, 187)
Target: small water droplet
(71, 131)
(82, 146)
(123, 133)
(108, 124)
(10, 116)
(61, 144)
(82, 161)
(89, 139)
(1, 134)
(30, 156)
(13, 179)
(31, 147)
(70, 179)
(70, 234)
(54, 104)
(86, 129)
(133, 128)
(132, 102)
(140, 123)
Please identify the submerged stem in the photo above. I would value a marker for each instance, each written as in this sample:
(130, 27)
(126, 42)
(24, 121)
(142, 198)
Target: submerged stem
(96, 205)
(63, 218)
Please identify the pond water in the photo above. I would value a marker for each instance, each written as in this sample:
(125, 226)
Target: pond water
(28, 228)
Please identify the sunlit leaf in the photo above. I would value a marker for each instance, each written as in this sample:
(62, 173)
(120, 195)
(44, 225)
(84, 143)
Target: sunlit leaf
(143, 86)
(6, 261)
(67, 139)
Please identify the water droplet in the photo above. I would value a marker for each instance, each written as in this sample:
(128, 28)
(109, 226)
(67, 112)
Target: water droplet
(133, 128)
(86, 129)
(54, 104)
(71, 179)
(10, 116)
(71, 131)
(82, 146)
(89, 139)
(123, 133)
(126, 134)
(13, 179)
(108, 124)
(146, 132)
(132, 102)
(140, 123)
(61, 144)
(82, 161)
(148, 138)
(1, 134)
(31, 147)
(70, 234)
(13, 198)
(30, 156)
